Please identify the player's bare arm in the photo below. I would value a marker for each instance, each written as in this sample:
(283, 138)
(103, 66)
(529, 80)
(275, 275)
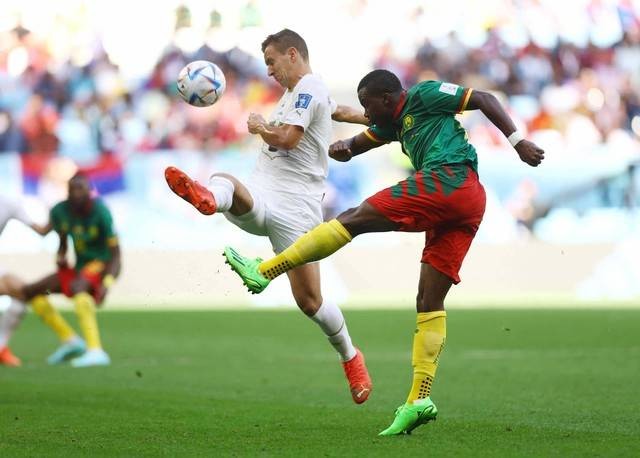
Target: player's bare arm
(42, 229)
(113, 265)
(528, 151)
(61, 256)
(344, 150)
(285, 136)
(345, 113)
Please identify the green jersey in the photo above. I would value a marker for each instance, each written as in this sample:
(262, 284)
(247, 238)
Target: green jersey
(92, 234)
(426, 126)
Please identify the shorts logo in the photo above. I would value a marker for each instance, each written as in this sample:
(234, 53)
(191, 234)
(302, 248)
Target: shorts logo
(303, 100)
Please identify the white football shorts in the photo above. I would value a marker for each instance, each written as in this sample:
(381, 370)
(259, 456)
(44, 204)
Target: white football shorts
(281, 216)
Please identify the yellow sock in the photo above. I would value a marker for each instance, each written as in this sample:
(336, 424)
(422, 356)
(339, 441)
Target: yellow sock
(320, 242)
(86, 310)
(428, 342)
(52, 318)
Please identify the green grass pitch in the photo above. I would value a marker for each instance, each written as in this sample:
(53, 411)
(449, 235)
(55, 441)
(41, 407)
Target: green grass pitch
(510, 383)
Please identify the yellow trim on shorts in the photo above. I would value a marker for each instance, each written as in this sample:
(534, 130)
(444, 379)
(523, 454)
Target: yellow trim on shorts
(112, 242)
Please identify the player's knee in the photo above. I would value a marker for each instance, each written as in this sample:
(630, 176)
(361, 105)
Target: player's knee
(365, 218)
(308, 302)
(28, 292)
(430, 305)
(353, 220)
(80, 285)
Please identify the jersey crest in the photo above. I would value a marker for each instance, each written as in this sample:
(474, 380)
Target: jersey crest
(303, 100)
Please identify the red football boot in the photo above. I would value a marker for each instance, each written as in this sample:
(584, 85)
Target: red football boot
(358, 377)
(9, 359)
(190, 190)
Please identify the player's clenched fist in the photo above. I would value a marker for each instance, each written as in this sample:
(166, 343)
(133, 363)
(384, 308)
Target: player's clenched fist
(256, 123)
(530, 153)
(341, 151)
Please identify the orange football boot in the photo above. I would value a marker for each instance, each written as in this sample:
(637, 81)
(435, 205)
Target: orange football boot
(190, 190)
(9, 359)
(358, 377)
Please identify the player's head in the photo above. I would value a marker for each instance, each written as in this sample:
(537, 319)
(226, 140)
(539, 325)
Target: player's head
(79, 192)
(285, 54)
(378, 93)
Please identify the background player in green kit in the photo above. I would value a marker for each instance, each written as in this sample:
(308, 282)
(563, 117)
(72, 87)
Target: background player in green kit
(89, 224)
(443, 198)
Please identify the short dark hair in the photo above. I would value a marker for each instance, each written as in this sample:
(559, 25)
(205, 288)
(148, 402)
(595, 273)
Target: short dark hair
(80, 176)
(286, 39)
(380, 82)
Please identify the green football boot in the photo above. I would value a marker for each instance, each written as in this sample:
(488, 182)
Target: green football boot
(410, 416)
(247, 269)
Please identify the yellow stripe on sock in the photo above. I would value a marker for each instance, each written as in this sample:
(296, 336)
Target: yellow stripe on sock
(320, 242)
(86, 310)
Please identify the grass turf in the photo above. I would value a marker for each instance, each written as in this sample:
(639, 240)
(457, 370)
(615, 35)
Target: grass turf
(510, 383)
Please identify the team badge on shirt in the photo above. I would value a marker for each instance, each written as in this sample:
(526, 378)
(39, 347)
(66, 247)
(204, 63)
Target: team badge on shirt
(407, 122)
(303, 100)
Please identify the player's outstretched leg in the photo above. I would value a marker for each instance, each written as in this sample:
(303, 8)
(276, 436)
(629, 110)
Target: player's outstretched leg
(190, 190)
(411, 415)
(320, 242)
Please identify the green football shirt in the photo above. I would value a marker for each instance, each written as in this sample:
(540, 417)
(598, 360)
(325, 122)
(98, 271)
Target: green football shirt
(92, 234)
(426, 126)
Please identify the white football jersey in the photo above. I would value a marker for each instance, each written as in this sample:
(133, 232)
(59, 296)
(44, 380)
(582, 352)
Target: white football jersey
(11, 209)
(303, 169)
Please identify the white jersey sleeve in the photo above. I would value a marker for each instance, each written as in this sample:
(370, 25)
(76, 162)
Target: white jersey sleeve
(10, 209)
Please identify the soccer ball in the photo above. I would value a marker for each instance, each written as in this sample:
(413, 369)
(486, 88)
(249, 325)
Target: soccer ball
(201, 83)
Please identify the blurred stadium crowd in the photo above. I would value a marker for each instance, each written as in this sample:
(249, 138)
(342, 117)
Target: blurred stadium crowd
(575, 89)
(82, 112)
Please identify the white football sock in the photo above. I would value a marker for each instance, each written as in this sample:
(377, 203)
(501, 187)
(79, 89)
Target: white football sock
(222, 189)
(330, 319)
(10, 320)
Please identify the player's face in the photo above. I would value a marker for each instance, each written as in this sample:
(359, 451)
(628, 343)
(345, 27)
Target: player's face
(79, 194)
(278, 65)
(377, 107)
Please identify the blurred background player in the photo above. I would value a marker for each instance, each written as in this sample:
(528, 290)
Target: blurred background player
(283, 198)
(89, 224)
(443, 198)
(11, 285)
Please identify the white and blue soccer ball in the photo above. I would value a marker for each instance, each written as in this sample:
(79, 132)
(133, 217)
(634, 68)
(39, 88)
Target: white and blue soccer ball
(201, 83)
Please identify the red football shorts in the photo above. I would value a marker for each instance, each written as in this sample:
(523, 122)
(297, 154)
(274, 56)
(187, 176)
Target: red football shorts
(91, 272)
(447, 203)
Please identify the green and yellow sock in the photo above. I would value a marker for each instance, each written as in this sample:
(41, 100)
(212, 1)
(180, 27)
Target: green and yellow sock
(320, 242)
(52, 318)
(428, 343)
(86, 310)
